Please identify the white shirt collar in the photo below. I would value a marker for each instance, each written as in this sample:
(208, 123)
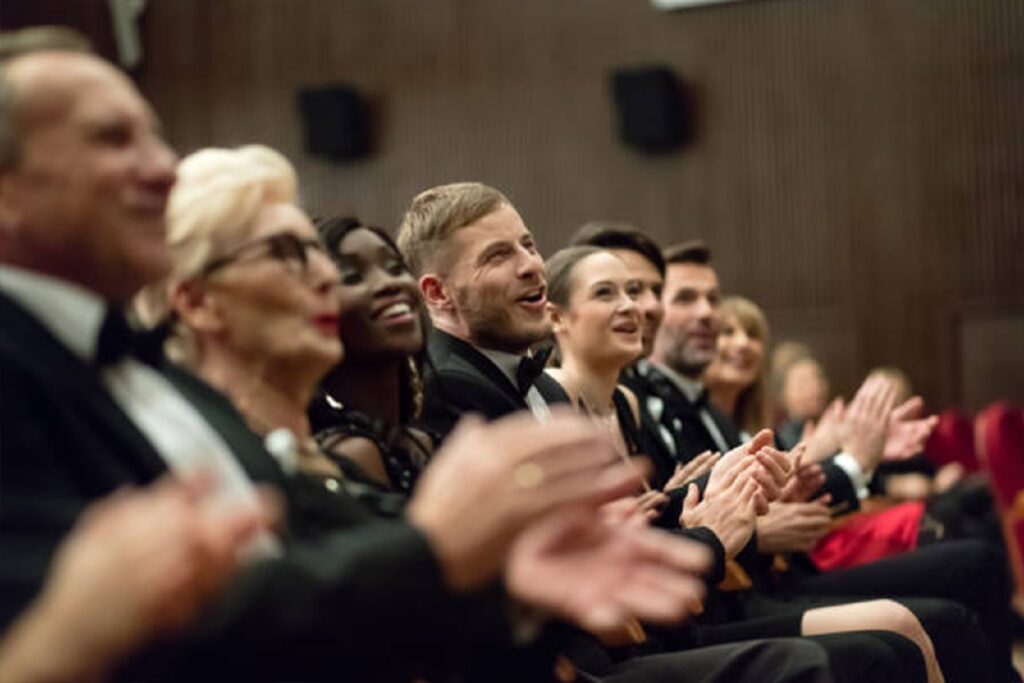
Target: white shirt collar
(690, 387)
(71, 313)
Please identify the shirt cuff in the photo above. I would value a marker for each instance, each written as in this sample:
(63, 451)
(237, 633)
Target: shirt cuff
(848, 464)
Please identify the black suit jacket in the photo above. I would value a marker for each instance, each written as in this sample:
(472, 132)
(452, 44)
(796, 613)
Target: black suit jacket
(335, 605)
(460, 380)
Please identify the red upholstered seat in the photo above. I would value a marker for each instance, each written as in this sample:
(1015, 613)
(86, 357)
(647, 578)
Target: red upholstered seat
(1000, 432)
(952, 440)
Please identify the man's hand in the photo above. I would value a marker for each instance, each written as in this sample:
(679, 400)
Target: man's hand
(908, 431)
(488, 482)
(793, 527)
(602, 576)
(865, 426)
(138, 564)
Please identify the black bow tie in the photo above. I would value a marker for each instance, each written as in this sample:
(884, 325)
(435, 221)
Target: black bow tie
(118, 339)
(530, 368)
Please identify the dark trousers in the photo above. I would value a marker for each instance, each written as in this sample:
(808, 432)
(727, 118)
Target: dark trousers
(790, 660)
(969, 572)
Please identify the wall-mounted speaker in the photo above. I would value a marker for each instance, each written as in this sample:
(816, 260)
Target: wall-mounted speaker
(654, 112)
(336, 122)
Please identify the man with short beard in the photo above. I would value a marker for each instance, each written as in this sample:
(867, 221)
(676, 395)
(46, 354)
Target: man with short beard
(483, 282)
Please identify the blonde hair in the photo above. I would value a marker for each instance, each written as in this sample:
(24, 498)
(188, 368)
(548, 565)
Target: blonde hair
(437, 213)
(218, 194)
(753, 410)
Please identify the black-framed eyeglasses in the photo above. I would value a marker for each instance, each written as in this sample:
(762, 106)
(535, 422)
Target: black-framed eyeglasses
(286, 247)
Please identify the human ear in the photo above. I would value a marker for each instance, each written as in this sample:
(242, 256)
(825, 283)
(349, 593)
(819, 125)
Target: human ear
(556, 317)
(196, 307)
(435, 294)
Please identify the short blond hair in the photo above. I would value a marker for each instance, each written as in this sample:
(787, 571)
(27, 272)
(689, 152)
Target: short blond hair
(435, 214)
(218, 194)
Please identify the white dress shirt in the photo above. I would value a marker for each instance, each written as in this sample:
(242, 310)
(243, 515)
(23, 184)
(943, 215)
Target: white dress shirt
(178, 432)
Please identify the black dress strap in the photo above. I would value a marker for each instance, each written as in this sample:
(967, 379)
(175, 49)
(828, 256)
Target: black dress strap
(627, 422)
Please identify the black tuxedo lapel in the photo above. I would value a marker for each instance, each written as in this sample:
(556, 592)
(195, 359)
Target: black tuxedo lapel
(28, 347)
(460, 379)
(454, 355)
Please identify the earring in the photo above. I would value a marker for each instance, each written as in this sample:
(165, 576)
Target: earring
(416, 387)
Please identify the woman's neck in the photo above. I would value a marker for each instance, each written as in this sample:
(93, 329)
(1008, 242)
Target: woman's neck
(371, 387)
(725, 397)
(594, 386)
(267, 400)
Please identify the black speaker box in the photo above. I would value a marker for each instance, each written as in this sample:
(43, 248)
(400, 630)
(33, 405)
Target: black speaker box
(336, 121)
(654, 113)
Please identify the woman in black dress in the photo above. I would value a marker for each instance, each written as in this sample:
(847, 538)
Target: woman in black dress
(361, 415)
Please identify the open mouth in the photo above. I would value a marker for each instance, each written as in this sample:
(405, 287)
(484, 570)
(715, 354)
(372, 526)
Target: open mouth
(626, 328)
(396, 310)
(534, 299)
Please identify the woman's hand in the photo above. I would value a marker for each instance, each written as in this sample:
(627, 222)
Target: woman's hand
(694, 469)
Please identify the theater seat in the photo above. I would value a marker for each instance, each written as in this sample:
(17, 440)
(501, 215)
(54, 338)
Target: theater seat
(952, 440)
(1000, 440)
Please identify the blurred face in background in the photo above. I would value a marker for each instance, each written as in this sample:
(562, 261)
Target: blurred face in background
(688, 337)
(805, 390)
(740, 358)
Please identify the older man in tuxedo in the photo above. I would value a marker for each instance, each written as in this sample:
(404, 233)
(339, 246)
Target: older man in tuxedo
(89, 405)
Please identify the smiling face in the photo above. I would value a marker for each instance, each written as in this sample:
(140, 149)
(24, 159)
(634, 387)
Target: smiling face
(496, 290)
(646, 274)
(688, 336)
(601, 326)
(379, 303)
(273, 312)
(85, 200)
(740, 357)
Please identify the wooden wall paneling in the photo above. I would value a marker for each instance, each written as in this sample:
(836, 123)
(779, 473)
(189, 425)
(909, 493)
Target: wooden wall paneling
(859, 165)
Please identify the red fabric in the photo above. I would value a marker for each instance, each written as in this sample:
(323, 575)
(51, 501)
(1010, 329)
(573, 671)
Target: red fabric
(870, 536)
(1000, 430)
(952, 440)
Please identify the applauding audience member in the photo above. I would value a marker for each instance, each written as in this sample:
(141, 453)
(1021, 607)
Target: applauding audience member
(368, 400)
(138, 565)
(482, 280)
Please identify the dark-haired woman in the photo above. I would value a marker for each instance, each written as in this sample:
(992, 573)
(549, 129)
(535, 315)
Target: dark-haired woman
(361, 414)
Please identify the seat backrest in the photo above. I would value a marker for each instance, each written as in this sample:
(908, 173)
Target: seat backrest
(1000, 441)
(952, 440)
